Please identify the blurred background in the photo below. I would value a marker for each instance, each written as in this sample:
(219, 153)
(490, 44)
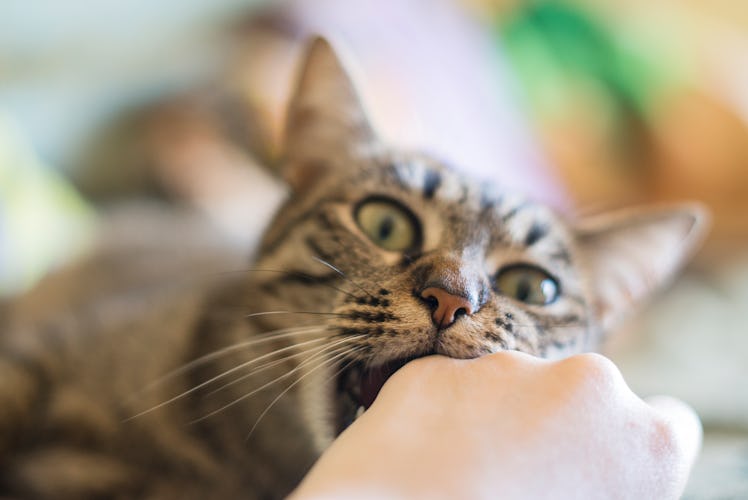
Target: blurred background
(584, 105)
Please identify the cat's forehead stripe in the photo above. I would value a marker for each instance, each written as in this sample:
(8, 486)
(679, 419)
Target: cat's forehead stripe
(512, 212)
(431, 182)
(528, 225)
(434, 181)
(414, 174)
(537, 231)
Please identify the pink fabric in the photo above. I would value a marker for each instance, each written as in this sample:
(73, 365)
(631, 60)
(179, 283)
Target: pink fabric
(434, 80)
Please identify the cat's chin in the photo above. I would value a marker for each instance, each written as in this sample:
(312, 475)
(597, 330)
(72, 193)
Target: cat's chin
(358, 387)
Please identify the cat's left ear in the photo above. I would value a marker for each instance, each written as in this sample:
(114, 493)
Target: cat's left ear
(326, 120)
(632, 253)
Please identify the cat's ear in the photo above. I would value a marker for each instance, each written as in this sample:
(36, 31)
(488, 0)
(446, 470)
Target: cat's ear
(326, 120)
(631, 253)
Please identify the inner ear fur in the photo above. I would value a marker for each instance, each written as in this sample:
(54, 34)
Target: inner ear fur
(629, 254)
(326, 120)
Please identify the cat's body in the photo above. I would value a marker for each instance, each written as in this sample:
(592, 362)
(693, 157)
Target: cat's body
(81, 349)
(377, 258)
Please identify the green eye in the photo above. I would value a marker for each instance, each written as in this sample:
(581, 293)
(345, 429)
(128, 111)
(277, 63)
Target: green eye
(388, 224)
(527, 284)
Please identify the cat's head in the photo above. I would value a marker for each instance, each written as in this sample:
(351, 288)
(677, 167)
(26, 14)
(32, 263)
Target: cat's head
(413, 258)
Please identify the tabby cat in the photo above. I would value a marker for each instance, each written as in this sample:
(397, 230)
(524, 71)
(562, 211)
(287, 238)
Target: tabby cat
(231, 387)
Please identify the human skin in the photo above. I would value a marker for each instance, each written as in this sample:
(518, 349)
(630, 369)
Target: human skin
(508, 426)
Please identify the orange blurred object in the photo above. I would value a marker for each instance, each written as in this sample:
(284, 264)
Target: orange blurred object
(702, 153)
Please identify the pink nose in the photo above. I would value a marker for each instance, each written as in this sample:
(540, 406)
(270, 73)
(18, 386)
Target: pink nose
(447, 306)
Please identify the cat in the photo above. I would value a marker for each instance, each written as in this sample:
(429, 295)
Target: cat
(230, 387)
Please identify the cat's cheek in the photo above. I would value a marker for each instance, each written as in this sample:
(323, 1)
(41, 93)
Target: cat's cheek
(318, 407)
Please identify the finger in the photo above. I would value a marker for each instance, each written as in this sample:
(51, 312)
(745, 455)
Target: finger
(685, 423)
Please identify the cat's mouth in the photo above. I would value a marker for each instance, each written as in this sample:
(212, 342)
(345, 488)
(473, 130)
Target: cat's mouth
(358, 387)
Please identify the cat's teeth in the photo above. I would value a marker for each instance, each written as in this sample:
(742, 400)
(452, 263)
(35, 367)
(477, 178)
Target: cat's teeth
(360, 411)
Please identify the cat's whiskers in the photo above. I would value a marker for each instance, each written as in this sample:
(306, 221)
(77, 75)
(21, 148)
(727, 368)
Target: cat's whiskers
(581, 324)
(224, 351)
(342, 275)
(224, 374)
(291, 372)
(290, 273)
(326, 363)
(264, 356)
(271, 364)
(268, 313)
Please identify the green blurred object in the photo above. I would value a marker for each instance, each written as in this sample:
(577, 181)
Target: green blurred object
(561, 50)
(43, 221)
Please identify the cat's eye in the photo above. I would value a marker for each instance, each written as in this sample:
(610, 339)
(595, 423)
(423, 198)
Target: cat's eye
(388, 224)
(528, 284)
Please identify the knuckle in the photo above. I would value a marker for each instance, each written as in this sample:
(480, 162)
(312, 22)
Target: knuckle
(663, 440)
(593, 372)
(668, 458)
(509, 358)
(593, 365)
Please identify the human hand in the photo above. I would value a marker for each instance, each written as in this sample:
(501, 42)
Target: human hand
(512, 426)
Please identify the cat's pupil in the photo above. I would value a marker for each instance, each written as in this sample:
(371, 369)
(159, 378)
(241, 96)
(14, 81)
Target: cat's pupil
(386, 227)
(523, 290)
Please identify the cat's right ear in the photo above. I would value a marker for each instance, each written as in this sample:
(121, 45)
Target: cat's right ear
(631, 253)
(326, 122)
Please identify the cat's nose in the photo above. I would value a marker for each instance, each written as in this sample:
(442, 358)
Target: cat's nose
(446, 307)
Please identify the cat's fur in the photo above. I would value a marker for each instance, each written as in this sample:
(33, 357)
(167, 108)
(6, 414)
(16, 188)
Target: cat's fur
(80, 416)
